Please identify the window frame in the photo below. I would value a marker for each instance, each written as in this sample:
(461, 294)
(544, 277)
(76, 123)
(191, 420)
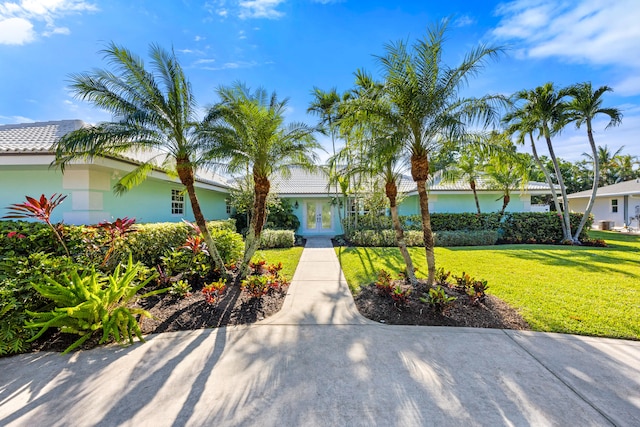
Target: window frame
(177, 202)
(614, 205)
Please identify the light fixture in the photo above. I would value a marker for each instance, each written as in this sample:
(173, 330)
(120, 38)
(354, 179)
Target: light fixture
(296, 205)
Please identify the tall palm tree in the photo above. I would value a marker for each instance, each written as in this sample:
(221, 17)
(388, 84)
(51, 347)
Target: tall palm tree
(522, 124)
(380, 149)
(153, 111)
(584, 106)
(507, 170)
(546, 112)
(256, 139)
(427, 109)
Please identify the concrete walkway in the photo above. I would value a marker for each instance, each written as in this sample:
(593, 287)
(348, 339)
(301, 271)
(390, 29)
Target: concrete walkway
(319, 363)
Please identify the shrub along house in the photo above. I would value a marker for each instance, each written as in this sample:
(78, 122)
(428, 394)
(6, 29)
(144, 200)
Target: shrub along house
(25, 158)
(616, 205)
(318, 206)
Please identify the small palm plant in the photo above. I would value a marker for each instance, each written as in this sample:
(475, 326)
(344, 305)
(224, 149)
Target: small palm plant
(39, 209)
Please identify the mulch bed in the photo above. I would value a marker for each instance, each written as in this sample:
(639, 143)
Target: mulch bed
(173, 313)
(491, 313)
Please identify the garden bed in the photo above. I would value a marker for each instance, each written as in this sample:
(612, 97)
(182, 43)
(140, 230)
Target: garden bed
(492, 312)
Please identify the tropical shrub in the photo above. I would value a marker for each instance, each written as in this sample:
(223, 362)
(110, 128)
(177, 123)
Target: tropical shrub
(91, 302)
(17, 295)
(539, 227)
(438, 298)
(381, 238)
(465, 238)
(180, 288)
(214, 291)
(277, 239)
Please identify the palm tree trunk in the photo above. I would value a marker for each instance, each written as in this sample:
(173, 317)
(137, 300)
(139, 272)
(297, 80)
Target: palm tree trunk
(186, 175)
(594, 187)
(472, 183)
(547, 176)
(566, 227)
(505, 201)
(258, 218)
(420, 173)
(392, 193)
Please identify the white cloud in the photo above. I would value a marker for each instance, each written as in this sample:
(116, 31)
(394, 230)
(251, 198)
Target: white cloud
(587, 31)
(232, 65)
(16, 119)
(198, 38)
(21, 22)
(16, 31)
(463, 21)
(260, 9)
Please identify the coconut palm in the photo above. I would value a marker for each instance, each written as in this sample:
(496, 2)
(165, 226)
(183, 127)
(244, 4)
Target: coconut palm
(545, 110)
(607, 163)
(624, 165)
(153, 111)
(256, 140)
(584, 106)
(427, 109)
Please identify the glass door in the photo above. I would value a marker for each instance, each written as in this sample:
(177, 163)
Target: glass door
(318, 217)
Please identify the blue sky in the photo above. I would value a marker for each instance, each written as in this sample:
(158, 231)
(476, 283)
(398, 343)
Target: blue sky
(290, 46)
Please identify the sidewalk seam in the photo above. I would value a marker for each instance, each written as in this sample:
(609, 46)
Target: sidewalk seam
(576, 392)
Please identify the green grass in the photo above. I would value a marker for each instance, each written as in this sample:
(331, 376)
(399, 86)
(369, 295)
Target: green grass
(288, 257)
(577, 290)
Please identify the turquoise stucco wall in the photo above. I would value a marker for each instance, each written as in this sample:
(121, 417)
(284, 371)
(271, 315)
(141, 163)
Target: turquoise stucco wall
(459, 203)
(18, 182)
(95, 201)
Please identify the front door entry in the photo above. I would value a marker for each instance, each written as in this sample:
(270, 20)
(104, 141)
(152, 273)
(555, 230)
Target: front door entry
(319, 216)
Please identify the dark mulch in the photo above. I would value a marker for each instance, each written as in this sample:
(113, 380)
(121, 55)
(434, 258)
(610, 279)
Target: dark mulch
(491, 313)
(172, 313)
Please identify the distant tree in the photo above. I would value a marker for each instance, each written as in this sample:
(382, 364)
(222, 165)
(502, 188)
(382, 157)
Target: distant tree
(625, 166)
(506, 169)
(468, 167)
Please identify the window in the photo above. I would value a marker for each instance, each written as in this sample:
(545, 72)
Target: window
(614, 205)
(228, 206)
(177, 202)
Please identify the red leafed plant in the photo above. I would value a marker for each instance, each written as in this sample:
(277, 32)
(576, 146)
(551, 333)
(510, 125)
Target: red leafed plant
(40, 210)
(195, 244)
(118, 228)
(213, 291)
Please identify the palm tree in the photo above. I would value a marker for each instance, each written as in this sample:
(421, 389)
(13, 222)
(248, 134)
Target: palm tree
(607, 162)
(427, 109)
(521, 124)
(545, 111)
(584, 106)
(507, 170)
(379, 152)
(255, 140)
(468, 167)
(153, 111)
(624, 167)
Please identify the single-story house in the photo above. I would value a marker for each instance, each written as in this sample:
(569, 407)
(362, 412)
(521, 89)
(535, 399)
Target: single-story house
(25, 159)
(616, 205)
(318, 208)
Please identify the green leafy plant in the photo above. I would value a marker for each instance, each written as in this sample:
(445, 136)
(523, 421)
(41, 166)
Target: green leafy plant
(180, 288)
(384, 282)
(214, 291)
(463, 282)
(442, 276)
(438, 298)
(399, 295)
(88, 303)
(256, 285)
(477, 291)
(41, 210)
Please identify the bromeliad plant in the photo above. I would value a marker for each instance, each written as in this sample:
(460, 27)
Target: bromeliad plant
(91, 302)
(40, 209)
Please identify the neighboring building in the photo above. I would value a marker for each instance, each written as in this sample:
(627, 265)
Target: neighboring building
(25, 158)
(317, 207)
(616, 205)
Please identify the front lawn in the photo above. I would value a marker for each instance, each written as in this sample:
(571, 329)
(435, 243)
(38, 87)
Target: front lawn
(577, 290)
(288, 257)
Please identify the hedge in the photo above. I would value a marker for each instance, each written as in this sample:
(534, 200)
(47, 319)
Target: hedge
(471, 229)
(277, 239)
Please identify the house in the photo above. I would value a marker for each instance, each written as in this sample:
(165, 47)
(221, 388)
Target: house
(25, 159)
(319, 207)
(616, 205)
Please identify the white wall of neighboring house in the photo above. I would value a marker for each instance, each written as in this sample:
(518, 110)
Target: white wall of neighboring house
(602, 210)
